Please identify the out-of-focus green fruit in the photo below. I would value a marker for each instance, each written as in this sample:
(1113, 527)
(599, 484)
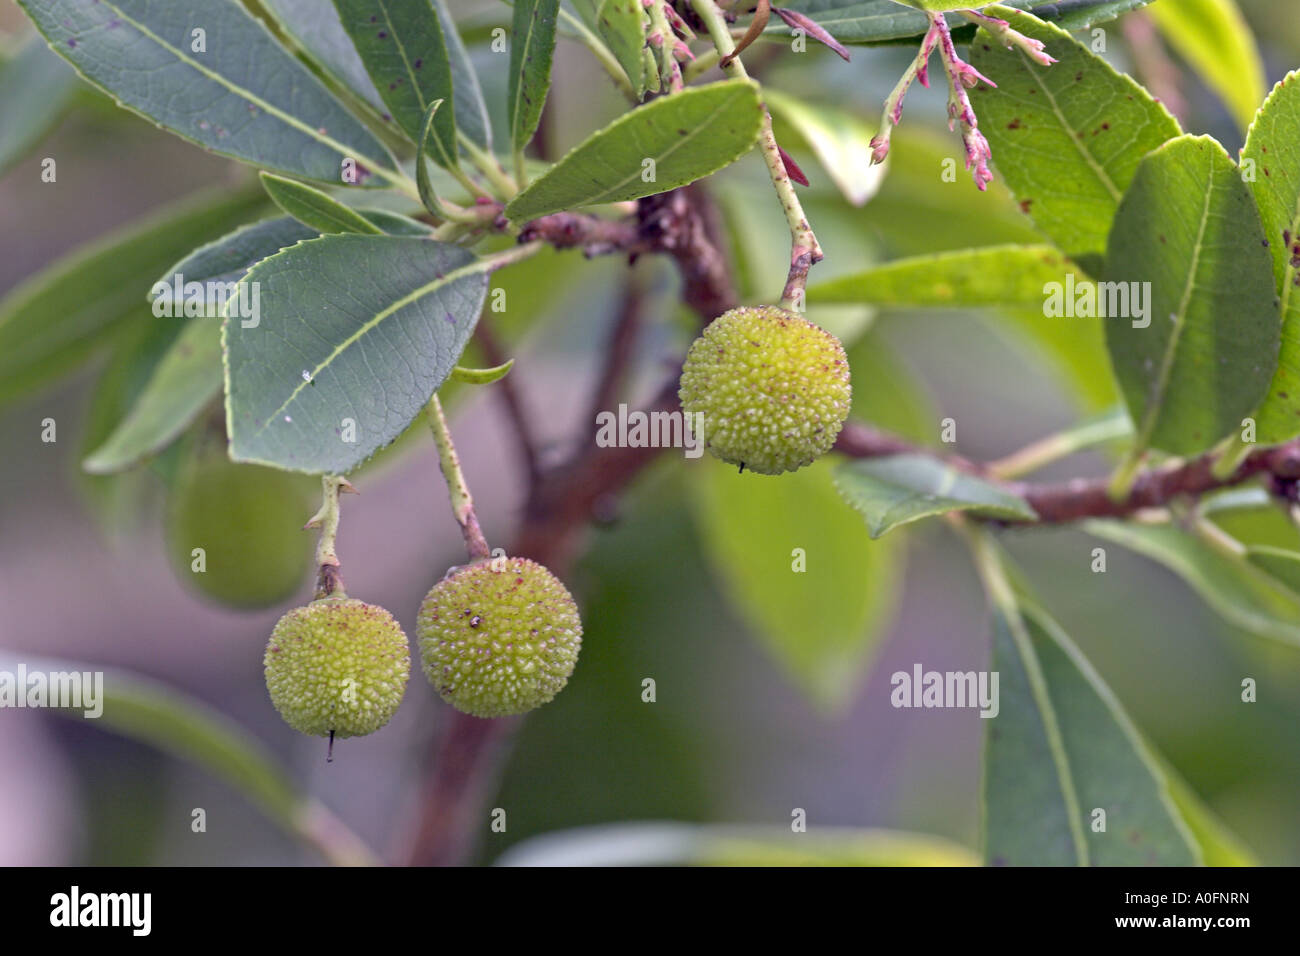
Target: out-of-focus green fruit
(499, 637)
(337, 666)
(772, 389)
(234, 532)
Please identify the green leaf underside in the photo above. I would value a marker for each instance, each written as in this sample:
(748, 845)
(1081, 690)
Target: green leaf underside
(840, 140)
(1273, 146)
(472, 117)
(1060, 748)
(1006, 276)
(883, 21)
(62, 315)
(314, 208)
(750, 527)
(898, 489)
(1189, 227)
(186, 380)
(1215, 40)
(356, 334)
(532, 45)
(482, 376)
(402, 47)
(315, 27)
(245, 97)
(1242, 592)
(619, 23)
(35, 86)
(1067, 138)
(688, 135)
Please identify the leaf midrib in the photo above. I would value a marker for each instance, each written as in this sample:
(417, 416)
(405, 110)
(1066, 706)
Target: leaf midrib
(429, 288)
(515, 131)
(1155, 401)
(251, 97)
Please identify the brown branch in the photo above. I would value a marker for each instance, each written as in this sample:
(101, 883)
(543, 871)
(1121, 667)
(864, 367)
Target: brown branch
(511, 401)
(1083, 498)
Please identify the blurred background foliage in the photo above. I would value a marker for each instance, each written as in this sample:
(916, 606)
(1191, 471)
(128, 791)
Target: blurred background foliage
(772, 688)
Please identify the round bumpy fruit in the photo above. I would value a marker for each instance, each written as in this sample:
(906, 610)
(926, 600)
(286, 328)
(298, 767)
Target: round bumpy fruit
(248, 522)
(337, 666)
(772, 387)
(499, 637)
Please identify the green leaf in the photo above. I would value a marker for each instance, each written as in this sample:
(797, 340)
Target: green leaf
(899, 489)
(841, 140)
(1067, 138)
(532, 44)
(687, 135)
(402, 47)
(1272, 158)
(621, 25)
(315, 209)
(1241, 592)
(316, 29)
(692, 844)
(1219, 846)
(1215, 40)
(1062, 747)
(61, 316)
(185, 727)
(1010, 276)
(355, 334)
(752, 528)
(242, 96)
(472, 117)
(186, 380)
(482, 376)
(883, 21)
(35, 89)
(1202, 355)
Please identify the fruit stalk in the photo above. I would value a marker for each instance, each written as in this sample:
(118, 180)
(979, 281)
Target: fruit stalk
(462, 502)
(804, 248)
(328, 579)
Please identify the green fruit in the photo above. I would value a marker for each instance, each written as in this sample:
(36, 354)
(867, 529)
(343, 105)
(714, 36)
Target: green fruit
(772, 387)
(337, 666)
(247, 521)
(499, 637)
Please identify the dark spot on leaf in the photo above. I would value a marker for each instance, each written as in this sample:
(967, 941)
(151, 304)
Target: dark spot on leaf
(382, 35)
(71, 42)
(1025, 204)
(1014, 124)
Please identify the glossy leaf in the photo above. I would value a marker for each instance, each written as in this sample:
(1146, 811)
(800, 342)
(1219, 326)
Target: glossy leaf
(355, 334)
(472, 117)
(241, 95)
(841, 140)
(402, 47)
(315, 27)
(1202, 356)
(899, 489)
(1067, 138)
(62, 315)
(314, 208)
(621, 25)
(1060, 748)
(751, 528)
(1272, 161)
(35, 89)
(182, 384)
(1241, 592)
(532, 44)
(687, 136)
(1215, 40)
(1008, 276)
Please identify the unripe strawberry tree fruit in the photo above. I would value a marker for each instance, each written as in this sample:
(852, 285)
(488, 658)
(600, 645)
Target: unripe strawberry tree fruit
(1058, 297)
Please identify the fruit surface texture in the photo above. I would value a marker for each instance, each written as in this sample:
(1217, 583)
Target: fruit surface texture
(338, 666)
(499, 637)
(772, 389)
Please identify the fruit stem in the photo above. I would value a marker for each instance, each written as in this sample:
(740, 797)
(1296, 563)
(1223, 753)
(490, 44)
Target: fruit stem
(462, 502)
(804, 248)
(328, 580)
